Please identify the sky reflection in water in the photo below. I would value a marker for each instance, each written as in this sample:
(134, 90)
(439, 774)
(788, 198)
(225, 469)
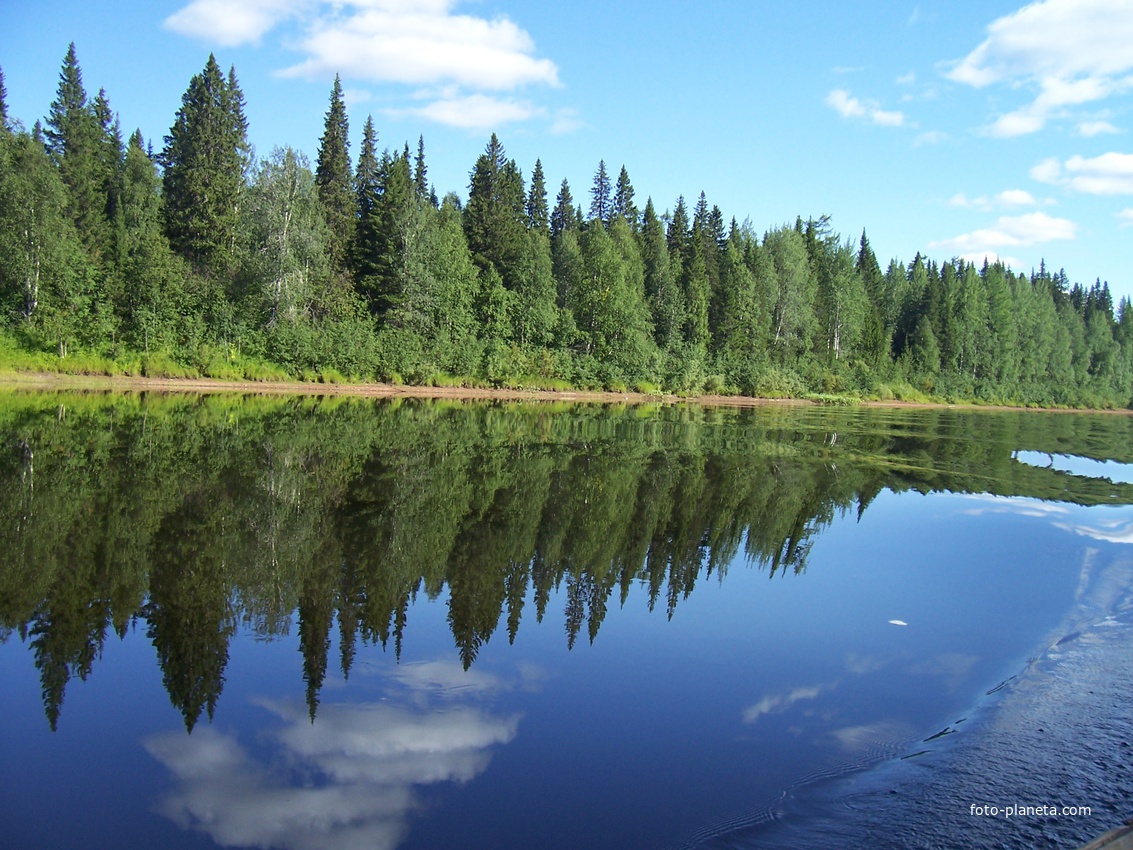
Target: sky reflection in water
(751, 644)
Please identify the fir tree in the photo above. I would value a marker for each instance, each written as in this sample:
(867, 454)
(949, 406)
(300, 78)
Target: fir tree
(421, 172)
(76, 138)
(563, 217)
(333, 178)
(495, 220)
(366, 191)
(4, 127)
(538, 217)
(205, 157)
(601, 202)
(623, 200)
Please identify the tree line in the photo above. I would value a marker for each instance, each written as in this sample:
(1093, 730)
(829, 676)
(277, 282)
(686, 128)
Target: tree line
(199, 258)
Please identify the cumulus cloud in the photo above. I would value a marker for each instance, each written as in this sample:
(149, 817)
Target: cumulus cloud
(1072, 51)
(1126, 217)
(848, 106)
(230, 23)
(422, 43)
(1108, 174)
(1008, 232)
(348, 780)
(462, 64)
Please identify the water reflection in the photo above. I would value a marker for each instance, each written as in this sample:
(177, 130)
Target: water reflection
(198, 516)
(350, 780)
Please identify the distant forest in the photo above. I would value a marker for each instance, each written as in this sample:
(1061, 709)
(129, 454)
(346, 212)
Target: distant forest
(200, 259)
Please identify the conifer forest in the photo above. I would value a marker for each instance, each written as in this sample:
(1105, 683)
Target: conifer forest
(190, 256)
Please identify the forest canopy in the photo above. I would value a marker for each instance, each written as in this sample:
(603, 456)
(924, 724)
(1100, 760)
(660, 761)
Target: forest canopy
(194, 257)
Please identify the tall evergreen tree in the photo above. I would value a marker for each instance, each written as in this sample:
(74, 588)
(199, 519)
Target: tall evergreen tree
(334, 179)
(601, 202)
(421, 171)
(538, 216)
(77, 140)
(4, 126)
(661, 290)
(367, 188)
(495, 219)
(623, 201)
(562, 218)
(205, 158)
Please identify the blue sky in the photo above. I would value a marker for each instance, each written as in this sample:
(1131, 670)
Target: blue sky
(954, 129)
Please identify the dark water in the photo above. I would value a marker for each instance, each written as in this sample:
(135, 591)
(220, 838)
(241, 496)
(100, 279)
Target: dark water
(300, 623)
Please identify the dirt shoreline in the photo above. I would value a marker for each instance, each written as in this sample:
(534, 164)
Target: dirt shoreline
(114, 383)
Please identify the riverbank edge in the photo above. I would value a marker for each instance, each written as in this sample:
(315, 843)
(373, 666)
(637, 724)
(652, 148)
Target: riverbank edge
(52, 381)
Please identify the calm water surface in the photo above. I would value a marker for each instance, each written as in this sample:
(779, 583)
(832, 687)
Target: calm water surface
(303, 623)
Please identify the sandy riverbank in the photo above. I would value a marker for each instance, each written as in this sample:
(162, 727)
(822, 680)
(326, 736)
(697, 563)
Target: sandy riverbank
(116, 383)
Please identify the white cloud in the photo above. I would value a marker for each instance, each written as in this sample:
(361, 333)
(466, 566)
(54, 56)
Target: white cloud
(1126, 217)
(907, 79)
(1110, 533)
(422, 43)
(1108, 174)
(1089, 129)
(779, 702)
(1010, 232)
(1007, 198)
(462, 62)
(1073, 51)
(474, 111)
(848, 106)
(348, 780)
(232, 22)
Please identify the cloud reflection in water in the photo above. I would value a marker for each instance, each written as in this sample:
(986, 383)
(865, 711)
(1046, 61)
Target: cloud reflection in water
(345, 781)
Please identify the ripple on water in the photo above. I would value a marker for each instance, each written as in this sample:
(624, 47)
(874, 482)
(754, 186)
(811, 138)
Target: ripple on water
(1060, 734)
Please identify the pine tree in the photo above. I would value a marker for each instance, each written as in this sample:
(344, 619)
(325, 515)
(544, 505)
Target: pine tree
(334, 180)
(205, 158)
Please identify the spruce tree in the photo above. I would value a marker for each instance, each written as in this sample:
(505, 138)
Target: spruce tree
(4, 128)
(421, 172)
(562, 218)
(334, 179)
(495, 219)
(623, 200)
(76, 139)
(205, 158)
(601, 202)
(538, 217)
(366, 192)
(661, 292)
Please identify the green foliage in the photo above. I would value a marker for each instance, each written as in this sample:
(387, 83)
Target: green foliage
(334, 179)
(215, 267)
(205, 158)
